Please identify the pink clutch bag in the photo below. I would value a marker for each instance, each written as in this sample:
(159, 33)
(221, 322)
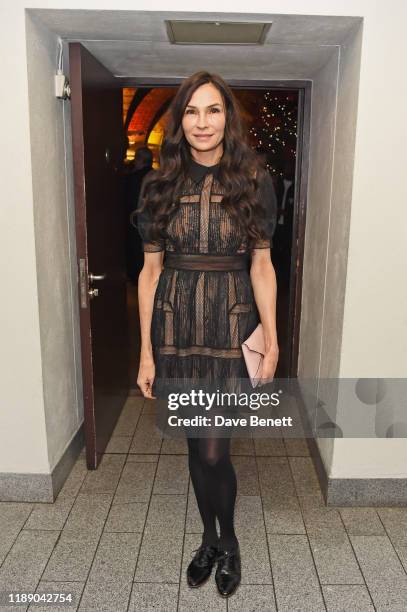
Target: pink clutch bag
(253, 352)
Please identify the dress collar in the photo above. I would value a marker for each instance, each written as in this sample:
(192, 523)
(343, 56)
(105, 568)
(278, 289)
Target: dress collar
(198, 171)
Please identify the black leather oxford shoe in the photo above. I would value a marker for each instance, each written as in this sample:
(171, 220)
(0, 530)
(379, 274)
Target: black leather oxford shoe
(228, 572)
(201, 565)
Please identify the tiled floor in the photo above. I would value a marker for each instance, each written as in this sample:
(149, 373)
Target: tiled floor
(120, 538)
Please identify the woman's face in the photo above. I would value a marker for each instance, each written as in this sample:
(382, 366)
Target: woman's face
(205, 118)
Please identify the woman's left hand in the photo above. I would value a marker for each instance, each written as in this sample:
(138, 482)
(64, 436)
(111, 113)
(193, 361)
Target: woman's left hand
(270, 361)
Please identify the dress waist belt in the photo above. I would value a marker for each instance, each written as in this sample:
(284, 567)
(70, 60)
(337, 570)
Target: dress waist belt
(192, 261)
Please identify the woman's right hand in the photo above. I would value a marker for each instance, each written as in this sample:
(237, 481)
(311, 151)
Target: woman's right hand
(145, 378)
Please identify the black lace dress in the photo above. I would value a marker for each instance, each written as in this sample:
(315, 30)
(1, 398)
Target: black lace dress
(200, 318)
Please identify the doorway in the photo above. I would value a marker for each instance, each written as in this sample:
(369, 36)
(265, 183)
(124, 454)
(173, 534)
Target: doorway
(108, 303)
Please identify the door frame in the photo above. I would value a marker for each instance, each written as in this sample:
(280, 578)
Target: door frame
(304, 89)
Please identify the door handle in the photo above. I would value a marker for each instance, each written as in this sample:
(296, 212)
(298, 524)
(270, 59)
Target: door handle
(93, 277)
(85, 292)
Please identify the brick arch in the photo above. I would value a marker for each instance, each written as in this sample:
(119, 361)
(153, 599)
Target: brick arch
(158, 117)
(149, 108)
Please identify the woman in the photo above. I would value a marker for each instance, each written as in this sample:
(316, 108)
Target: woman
(209, 208)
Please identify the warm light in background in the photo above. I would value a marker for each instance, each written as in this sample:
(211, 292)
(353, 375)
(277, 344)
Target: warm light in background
(270, 118)
(147, 124)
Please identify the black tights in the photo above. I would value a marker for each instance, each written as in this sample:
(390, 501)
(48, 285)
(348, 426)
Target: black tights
(214, 480)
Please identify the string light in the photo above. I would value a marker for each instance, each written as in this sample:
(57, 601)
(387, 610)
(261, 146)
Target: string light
(276, 130)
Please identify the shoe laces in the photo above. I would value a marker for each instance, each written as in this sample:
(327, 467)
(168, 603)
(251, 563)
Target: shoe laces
(204, 554)
(228, 556)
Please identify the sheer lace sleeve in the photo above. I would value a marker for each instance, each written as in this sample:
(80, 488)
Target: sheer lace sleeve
(267, 196)
(143, 222)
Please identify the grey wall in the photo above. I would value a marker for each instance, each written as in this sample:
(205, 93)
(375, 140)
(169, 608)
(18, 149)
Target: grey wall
(333, 129)
(341, 199)
(317, 236)
(323, 109)
(54, 244)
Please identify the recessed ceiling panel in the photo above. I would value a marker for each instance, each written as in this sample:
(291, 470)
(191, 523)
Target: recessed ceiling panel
(186, 32)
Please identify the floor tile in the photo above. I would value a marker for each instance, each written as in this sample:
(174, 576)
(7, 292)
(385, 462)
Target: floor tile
(50, 516)
(119, 444)
(383, 572)
(296, 447)
(26, 560)
(147, 438)
(174, 446)
(242, 446)
(106, 477)
(142, 458)
(127, 517)
(295, 579)
(333, 555)
(306, 482)
(395, 522)
(89, 512)
(136, 400)
(269, 447)
(161, 548)
(13, 515)
(251, 533)
(115, 558)
(68, 589)
(136, 483)
(108, 596)
(127, 422)
(193, 521)
(251, 598)
(149, 407)
(172, 475)
(72, 557)
(347, 598)
(361, 521)
(280, 503)
(150, 597)
(246, 473)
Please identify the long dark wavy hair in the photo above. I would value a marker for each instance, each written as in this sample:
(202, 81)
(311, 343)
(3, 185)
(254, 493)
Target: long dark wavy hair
(240, 168)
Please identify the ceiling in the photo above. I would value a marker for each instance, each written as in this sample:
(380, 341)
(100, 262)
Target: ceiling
(134, 44)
